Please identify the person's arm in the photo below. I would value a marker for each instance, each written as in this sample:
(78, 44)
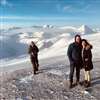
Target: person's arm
(69, 53)
(37, 49)
(88, 55)
(29, 50)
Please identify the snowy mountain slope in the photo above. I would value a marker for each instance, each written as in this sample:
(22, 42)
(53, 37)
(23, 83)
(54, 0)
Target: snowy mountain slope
(94, 39)
(84, 29)
(14, 42)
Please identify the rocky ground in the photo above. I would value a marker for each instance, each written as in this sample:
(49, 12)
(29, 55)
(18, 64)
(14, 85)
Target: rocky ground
(51, 83)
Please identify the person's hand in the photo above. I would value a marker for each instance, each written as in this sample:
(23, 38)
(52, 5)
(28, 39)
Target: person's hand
(32, 54)
(86, 66)
(86, 59)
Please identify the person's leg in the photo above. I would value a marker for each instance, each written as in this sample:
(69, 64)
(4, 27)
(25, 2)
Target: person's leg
(85, 75)
(36, 61)
(85, 78)
(34, 69)
(88, 78)
(33, 65)
(77, 74)
(71, 74)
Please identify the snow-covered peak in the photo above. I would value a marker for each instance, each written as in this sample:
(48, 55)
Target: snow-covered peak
(68, 27)
(84, 29)
(47, 26)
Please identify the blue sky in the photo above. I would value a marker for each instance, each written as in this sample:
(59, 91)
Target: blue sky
(56, 12)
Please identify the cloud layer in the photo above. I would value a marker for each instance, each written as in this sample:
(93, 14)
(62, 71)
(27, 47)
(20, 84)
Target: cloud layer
(5, 3)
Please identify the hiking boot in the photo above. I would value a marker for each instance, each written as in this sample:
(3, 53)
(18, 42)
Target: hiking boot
(77, 83)
(70, 86)
(89, 84)
(86, 83)
(37, 67)
(35, 73)
(82, 83)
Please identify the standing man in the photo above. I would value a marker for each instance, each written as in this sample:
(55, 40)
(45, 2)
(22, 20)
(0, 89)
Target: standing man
(33, 51)
(75, 59)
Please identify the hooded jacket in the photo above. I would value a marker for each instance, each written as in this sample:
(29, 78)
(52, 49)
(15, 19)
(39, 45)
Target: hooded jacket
(33, 50)
(87, 58)
(74, 53)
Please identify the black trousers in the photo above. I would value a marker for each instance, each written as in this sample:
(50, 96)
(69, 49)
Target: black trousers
(72, 68)
(34, 61)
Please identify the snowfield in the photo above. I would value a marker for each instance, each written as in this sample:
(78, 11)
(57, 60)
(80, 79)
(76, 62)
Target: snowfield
(52, 42)
(52, 81)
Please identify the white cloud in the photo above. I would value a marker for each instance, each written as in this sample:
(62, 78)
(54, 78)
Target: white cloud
(19, 17)
(5, 3)
(74, 8)
(15, 18)
(67, 8)
(32, 18)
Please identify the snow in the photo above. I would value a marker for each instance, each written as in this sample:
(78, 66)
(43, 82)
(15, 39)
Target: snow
(15, 61)
(26, 79)
(47, 26)
(60, 43)
(84, 29)
(38, 34)
(52, 42)
(69, 28)
(56, 72)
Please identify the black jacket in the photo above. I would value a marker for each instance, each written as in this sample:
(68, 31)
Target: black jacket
(87, 59)
(74, 53)
(33, 50)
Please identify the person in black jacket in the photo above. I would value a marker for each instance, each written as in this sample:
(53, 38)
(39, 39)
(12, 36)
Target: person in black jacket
(33, 51)
(75, 59)
(87, 61)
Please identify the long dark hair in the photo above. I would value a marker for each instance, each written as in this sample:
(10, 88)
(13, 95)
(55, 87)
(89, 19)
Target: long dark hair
(32, 43)
(87, 43)
(77, 35)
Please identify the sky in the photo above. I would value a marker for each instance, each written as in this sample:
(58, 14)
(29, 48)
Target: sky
(54, 12)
